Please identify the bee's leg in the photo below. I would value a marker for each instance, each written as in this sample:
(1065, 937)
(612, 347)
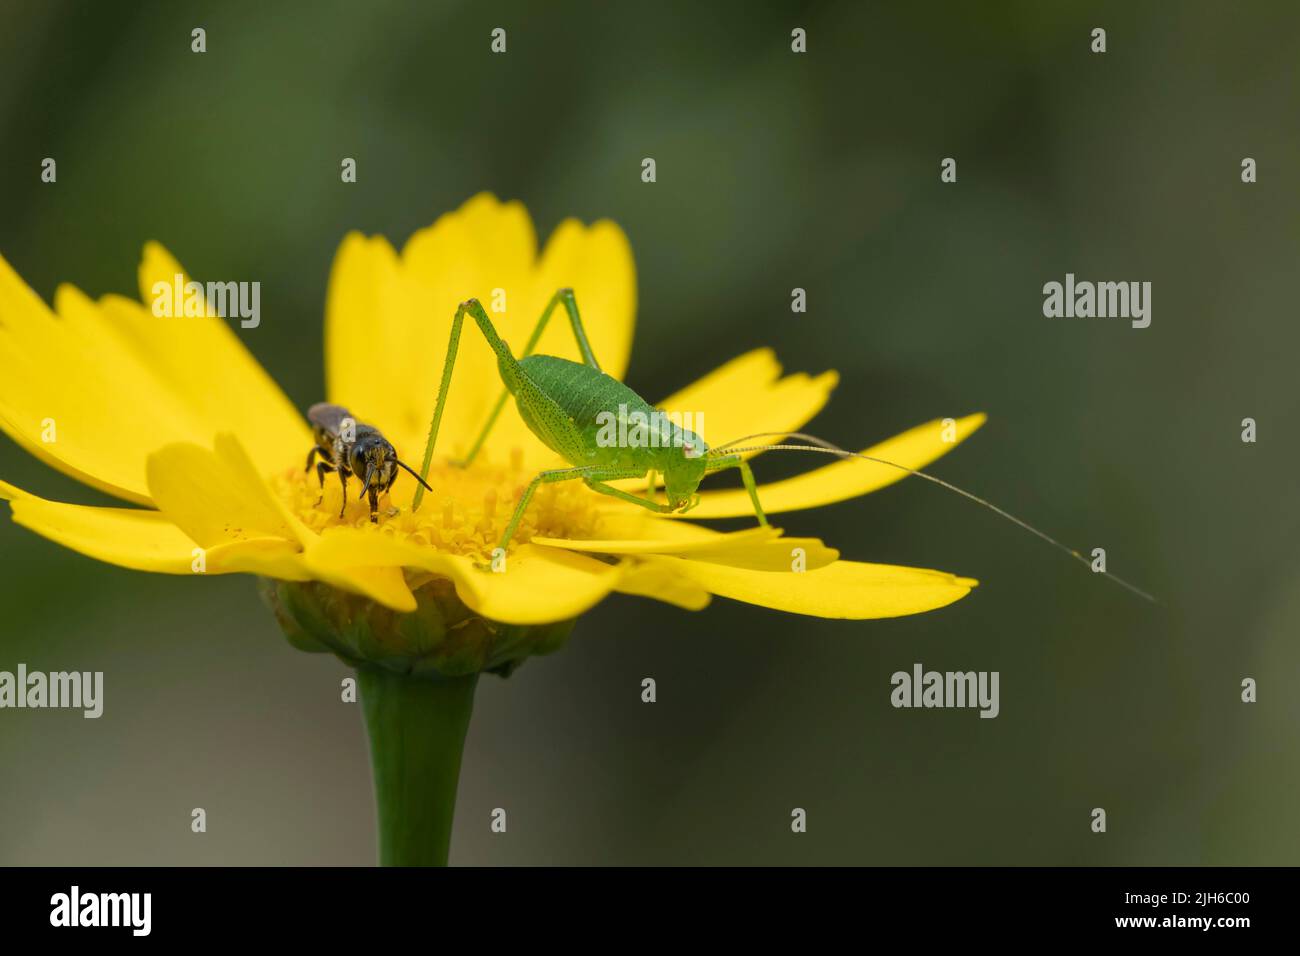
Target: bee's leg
(322, 469)
(343, 480)
(311, 456)
(374, 504)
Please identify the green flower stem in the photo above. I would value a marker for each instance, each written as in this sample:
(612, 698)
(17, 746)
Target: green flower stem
(417, 731)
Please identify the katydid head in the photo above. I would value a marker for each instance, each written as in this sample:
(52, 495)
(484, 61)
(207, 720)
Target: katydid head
(684, 464)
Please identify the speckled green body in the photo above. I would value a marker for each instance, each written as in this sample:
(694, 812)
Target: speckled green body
(591, 401)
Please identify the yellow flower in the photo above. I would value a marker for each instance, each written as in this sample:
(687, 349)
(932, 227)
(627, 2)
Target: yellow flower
(176, 417)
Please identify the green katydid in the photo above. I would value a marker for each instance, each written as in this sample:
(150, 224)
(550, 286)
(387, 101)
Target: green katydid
(568, 406)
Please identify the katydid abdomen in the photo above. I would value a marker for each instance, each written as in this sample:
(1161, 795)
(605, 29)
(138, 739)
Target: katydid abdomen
(617, 427)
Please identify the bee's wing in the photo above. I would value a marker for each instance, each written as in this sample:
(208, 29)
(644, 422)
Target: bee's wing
(327, 417)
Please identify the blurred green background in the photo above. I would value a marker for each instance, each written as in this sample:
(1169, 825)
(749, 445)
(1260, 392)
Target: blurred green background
(774, 171)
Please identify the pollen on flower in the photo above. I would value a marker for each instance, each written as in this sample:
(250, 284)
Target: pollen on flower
(466, 513)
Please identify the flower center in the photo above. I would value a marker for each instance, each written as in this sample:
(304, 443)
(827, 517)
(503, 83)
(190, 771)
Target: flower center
(466, 513)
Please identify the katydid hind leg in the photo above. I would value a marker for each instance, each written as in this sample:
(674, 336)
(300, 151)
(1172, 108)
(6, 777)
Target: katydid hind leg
(570, 303)
(480, 317)
(598, 484)
(563, 297)
(545, 477)
(588, 473)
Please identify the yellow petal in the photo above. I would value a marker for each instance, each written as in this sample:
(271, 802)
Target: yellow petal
(665, 538)
(749, 395)
(230, 449)
(145, 540)
(380, 341)
(539, 585)
(75, 396)
(844, 479)
(596, 262)
(648, 579)
(844, 589)
(750, 372)
(780, 555)
(385, 585)
(204, 362)
(90, 470)
(761, 549)
(485, 250)
(216, 497)
(269, 557)
(389, 318)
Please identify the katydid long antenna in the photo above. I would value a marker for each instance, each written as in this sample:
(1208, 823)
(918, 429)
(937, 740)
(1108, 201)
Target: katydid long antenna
(827, 448)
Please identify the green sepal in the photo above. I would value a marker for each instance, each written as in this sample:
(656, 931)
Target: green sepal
(441, 638)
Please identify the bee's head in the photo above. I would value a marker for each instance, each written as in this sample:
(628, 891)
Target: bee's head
(373, 455)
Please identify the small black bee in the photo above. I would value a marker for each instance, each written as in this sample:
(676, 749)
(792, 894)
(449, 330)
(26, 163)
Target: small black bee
(351, 448)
